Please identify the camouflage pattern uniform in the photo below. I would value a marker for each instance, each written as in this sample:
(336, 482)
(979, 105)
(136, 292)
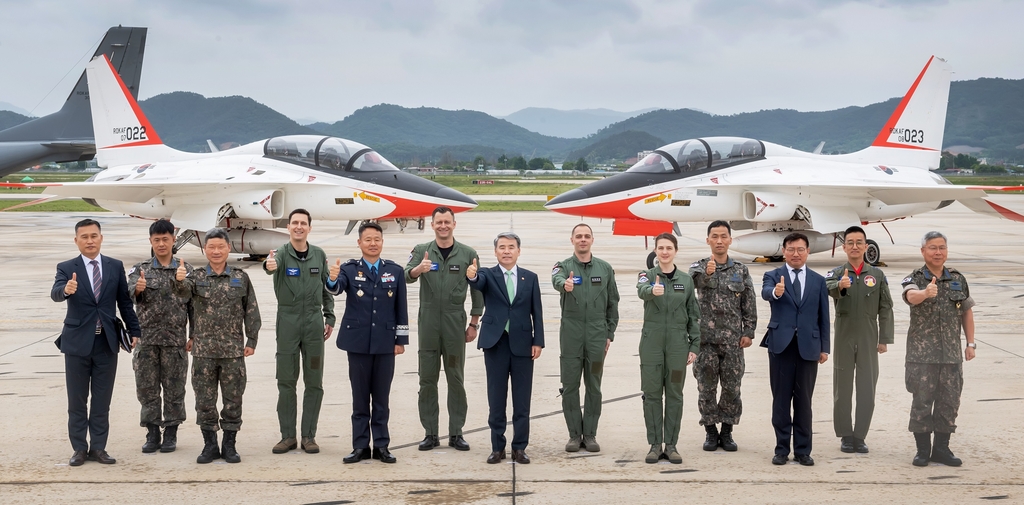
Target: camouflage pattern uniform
(934, 354)
(727, 301)
(159, 359)
(222, 304)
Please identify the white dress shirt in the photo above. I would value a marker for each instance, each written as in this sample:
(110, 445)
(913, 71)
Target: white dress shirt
(515, 279)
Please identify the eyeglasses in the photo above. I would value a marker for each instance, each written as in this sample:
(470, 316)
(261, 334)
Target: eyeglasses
(856, 243)
(799, 250)
(933, 248)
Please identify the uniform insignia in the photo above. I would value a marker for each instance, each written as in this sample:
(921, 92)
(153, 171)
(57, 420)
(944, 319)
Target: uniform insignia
(595, 280)
(576, 279)
(314, 271)
(390, 294)
(695, 264)
(830, 274)
(956, 286)
(236, 283)
(556, 269)
(907, 280)
(291, 272)
(359, 293)
(455, 268)
(679, 287)
(410, 255)
(433, 266)
(869, 281)
(735, 278)
(643, 277)
(361, 278)
(387, 277)
(132, 270)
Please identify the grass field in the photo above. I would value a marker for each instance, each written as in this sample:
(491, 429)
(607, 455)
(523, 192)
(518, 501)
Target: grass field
(507, 186)
(58, 206)
(508, 206)
(41, 177)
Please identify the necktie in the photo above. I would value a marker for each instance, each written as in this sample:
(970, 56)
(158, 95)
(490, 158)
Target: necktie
(373, 270)
(97, 283)
(511, 291)
(796, 284)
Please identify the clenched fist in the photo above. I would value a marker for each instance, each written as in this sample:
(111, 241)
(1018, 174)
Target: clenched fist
(471, 270)
(72, 285)
(272, 261)
(845, 281)
(569, 283)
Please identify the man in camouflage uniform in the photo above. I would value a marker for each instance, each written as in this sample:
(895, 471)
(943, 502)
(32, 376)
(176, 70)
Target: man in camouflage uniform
(940, 306)
(590, 313)
(727, 301)
(223, 301)
(863, 330)
(159, 358)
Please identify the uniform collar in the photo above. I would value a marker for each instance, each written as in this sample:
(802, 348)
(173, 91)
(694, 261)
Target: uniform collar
(928, 273)
(211, 273)
(174, 263)
(374, 265)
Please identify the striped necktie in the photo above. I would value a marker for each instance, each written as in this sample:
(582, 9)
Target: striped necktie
(511, 292)
(97, 283)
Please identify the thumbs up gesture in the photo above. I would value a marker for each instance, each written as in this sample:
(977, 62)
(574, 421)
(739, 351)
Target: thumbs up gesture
(272, 261)
(932, 290)
(140, 285)
(471, 270)
(712, 266)
(72, 285)
(334, 270)
(845, 281)
(180, 273)
(659, 288)
(424, 265)
(569, 283)
(780, 288)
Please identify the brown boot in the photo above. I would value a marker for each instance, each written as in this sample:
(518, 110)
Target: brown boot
(309, 445)
(285, 445)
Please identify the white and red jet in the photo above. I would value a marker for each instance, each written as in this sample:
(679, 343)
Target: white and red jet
(249, 189)
(775, 190)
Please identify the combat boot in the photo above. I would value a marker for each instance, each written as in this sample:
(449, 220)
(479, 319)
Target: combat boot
(228, 447)
(573, 445)
(725, 439)
(711, 443)
(654, 455)
(210, 450)
(941, 452)
(170, 439)
(924, 448)
(590, 443)
(673, 455)
(152, 439)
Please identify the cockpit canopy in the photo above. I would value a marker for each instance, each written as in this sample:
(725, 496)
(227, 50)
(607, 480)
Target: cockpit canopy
(328, 153)
(700, 154)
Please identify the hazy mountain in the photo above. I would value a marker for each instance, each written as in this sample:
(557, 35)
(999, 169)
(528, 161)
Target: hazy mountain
(568, 123)
(9, 119)
(617, 147)
(14, 108)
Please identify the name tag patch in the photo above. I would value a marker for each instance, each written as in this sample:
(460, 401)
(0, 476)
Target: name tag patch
(291, 272)
(236, 283)
(595, 280)
(679, 287)
(956, 286)
(314, 271)
(455, 268)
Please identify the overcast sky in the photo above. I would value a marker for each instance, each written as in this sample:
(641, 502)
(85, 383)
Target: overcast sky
(325, 59)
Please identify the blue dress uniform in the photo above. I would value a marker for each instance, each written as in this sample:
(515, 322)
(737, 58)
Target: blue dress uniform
(375, 321)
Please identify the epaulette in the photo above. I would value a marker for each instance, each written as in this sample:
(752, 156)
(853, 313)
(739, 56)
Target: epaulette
(351, 262)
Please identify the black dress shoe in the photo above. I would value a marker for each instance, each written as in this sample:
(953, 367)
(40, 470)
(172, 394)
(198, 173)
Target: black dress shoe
(77, 459)
(429, 442)
(780, 459)
(520, 457)
(458, 443)
(357, 455)
(846, 445)
(804, 459)
(101, 457)
(383, 454)
(859, 446)
(495, 457)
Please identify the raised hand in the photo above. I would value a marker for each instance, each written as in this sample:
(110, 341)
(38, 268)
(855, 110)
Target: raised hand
(180, 273)
(334, 270)
(424, 265)
(845, 281)
(140, 285)
(471, 270)
(780, 288)
(72, 285)
(272, 261)
(712, 266)
(932, 290)
(659, 288)
(569, 283)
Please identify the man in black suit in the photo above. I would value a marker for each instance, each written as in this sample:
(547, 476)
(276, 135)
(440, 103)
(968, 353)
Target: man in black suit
(88, 339)
(797, 342)
(512, 336)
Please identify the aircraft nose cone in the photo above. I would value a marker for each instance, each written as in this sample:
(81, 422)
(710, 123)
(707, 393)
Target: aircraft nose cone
(455, 196)
(568, 197)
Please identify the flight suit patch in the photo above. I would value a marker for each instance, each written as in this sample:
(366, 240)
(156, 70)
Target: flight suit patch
(433, 266)
(236, 283)
(455, 268)
(642, 277)
(314, 362)
(829, 274)
(577, 280)
(956, 286)
(291, 272)
(869, 281)
(595, 280)
(387, 277)
(556, 269)
(596, 367)
(454, 362)
(679, 287)
(314, 271)
(677, 376)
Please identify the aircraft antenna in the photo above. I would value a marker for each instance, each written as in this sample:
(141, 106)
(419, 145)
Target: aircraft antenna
(73, 67)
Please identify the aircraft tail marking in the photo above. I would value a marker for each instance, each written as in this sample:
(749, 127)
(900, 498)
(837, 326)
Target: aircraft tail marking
(117, 119)
(919, 121)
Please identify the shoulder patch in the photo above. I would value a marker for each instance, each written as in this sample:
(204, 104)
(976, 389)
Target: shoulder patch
(557, 268)
(829, 274)
(132, 270)
(352, 262)
(643, 277)
(695, 264)
(907, 280)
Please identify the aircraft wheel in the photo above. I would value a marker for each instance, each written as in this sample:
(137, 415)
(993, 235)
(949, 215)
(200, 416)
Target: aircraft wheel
(776, 259)
(873, 254)
(650, 260)
(174, 250)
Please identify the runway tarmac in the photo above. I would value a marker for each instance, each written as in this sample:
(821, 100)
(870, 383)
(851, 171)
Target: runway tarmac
(34, 449)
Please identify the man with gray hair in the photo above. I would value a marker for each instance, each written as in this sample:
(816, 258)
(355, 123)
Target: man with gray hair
(511, 336)
(940, 308)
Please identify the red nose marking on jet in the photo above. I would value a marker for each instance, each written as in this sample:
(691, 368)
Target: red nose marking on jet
(405, 207)
(614, 209)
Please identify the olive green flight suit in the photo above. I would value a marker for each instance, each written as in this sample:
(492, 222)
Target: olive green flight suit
(863, 320)
(590, 314)
(671, 331)
(442, 331)
(303, 308)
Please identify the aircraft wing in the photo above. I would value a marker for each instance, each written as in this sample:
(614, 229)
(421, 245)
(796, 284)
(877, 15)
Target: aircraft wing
(141, 191)
(889, 195)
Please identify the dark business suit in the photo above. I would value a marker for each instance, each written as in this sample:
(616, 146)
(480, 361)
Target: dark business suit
(509, 354)
(90, 358)
(798, 333)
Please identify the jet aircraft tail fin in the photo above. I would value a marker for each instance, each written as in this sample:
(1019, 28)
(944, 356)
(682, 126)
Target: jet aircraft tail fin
(123, 134)
(913, 134)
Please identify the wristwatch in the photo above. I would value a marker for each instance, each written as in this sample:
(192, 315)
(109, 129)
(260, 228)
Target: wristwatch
(474, 326)
(972, 345)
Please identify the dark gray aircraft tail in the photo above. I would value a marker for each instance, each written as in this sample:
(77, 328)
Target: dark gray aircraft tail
(66, 135)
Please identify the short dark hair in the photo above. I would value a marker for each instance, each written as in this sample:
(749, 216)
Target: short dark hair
(667, 236)
(793, 237)
(304, 212)
(220, 233)
(87, 222)
(573, 232)
(717, 224)
(854, 229)
(509, 235)
(161, 227)
(443, 210)
(369, 225)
